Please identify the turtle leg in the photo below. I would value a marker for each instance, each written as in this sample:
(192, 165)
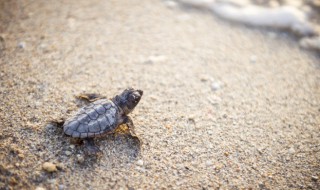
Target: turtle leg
(90, 97)
(90, 147)
(131, 127)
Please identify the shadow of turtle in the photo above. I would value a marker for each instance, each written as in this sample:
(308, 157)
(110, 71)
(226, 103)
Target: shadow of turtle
(117, 150)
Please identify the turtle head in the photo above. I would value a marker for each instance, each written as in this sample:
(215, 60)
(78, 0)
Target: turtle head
(128, 99)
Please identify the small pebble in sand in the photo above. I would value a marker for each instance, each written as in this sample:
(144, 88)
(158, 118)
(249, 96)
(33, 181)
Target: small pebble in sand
(68, 153)
(44, 48)
(49, 167)
(80, 158)
(169, 127)
(215, 86)
(253, 59)
(154, 97)
(218, 167)
(140, 162)
(21, 156)
(156, 59)
(203, 79)
(208, 163)
(22, 45)
(314, 178)
(291, 150)
(60, 166)
(192, 119)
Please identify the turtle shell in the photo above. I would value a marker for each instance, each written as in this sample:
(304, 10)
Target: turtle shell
(95, 119)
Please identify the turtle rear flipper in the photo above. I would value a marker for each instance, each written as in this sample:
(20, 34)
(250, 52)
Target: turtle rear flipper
(57, 122)
(90, 147)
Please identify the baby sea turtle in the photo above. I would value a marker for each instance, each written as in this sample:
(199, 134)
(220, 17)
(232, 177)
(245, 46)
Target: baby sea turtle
(102, 117)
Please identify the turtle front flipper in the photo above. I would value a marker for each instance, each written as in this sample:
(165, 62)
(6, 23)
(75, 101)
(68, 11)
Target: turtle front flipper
(131, 127)
(90, 97)
(90, 147)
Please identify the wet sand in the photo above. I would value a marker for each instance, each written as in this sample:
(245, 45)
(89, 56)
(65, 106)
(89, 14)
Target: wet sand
(224, 106)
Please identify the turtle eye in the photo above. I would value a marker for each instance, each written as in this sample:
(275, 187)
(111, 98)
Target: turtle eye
(131, 98)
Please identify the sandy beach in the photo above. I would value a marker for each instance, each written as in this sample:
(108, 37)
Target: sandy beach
(225, 106)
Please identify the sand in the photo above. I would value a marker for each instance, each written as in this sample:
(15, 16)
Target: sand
(224, 106)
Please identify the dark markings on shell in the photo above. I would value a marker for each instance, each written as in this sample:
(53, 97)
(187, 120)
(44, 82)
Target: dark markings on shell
(92, 114)
(82, 118)
(69, 131)
(110, 119)
(107, 121)
(100, 109)
(103, 122)
(107, 106)
(96, 111)
(73, 124)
